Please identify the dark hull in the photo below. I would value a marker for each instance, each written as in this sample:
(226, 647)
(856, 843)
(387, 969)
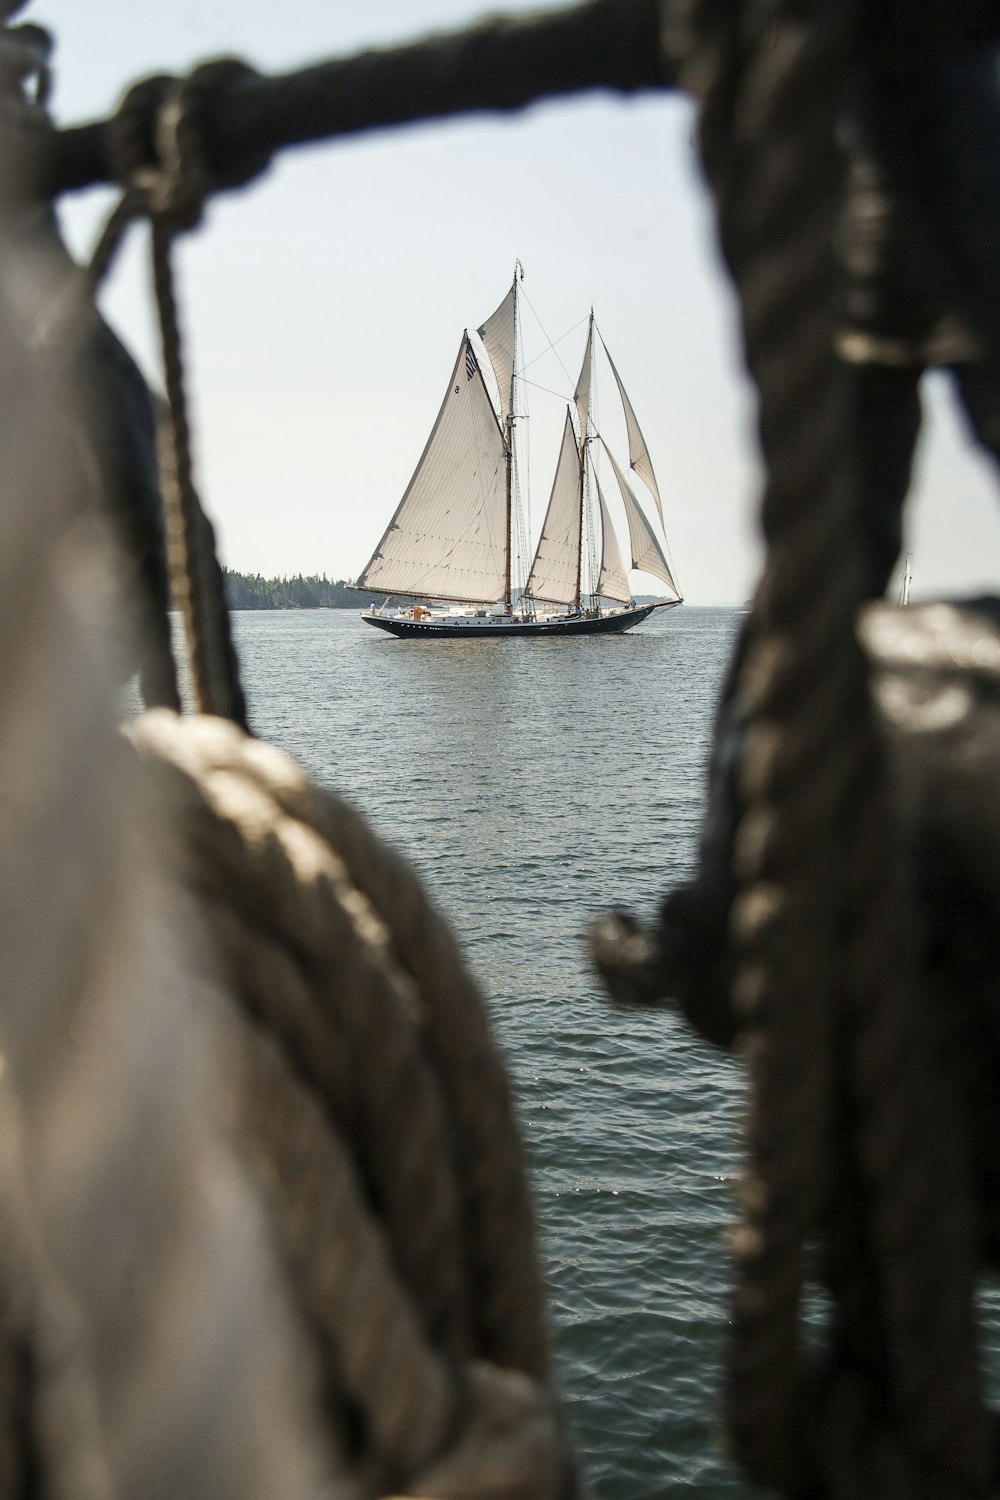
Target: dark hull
(421, 630)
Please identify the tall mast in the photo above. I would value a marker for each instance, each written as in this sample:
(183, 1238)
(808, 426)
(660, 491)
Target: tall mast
(584, 416)
(509, 462)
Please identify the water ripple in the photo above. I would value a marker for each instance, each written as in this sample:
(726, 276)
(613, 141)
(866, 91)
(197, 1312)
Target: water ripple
(534, 784)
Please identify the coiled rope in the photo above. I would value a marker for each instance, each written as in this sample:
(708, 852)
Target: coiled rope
(377, 1112)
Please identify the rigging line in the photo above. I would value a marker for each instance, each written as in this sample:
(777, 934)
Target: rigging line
(552, 342)
(560, 395)
(552, 346)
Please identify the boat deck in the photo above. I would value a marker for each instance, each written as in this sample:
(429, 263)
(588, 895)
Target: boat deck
(460, 626)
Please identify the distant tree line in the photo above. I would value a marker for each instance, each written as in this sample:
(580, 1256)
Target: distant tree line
(252, 591)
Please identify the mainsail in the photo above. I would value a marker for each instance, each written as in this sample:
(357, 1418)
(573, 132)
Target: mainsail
(555, 571)
(498, 333)
(638, 453)
(647, 553)
(612, 582)
(447, 538)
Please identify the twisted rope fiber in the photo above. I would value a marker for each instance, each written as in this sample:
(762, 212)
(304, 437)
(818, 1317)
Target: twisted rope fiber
(159, 113)
(508, 1299)
(507, 1289)
(158, 154)
(175, 190)
(195, 576)
(503, 63)
(767, 128)
(782, 984)
(372, 1339)
(318, 976)
(350, 1032)
(382, 1372)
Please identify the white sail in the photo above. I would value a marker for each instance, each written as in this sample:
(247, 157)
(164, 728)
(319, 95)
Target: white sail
(612, 582)
(555, 571)
(638, 453)
(647, 553)
(498, 333)
(581, 395)
(447, 539)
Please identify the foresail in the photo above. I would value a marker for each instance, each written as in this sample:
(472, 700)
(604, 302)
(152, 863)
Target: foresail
(612, 582)
(498, 333)
(555, 571)
(647, 553)
(581, 395)
(447, 539)
(638, 453)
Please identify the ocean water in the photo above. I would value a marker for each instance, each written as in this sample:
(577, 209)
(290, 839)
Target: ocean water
(533, 784)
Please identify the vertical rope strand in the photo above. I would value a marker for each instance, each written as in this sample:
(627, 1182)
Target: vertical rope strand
(195, 576)
(819, 983)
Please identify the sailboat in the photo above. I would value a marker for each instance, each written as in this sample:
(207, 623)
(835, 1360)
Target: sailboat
(448, 549)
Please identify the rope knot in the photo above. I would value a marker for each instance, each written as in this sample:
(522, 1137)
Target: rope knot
(160, 143)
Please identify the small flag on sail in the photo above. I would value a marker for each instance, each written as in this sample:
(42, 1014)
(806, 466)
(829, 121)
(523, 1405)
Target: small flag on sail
(470, 362)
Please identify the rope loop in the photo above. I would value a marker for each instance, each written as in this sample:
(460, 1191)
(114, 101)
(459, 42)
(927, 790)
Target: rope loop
(158, 143)
(158, 147)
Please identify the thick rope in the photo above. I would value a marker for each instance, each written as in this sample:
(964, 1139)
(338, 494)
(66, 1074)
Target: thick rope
(781, 922)
(818, 968)
(357, 1121)
(174, 191)
(507, 1295)
(359, 1048)
(195, 576)
(502, 63)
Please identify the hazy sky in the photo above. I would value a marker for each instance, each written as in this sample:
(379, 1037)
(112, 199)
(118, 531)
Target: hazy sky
(324, 305)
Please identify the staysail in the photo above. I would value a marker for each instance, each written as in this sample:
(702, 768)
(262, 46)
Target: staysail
(447, 538)
(612, 582)
(555, 570)
(581, 395)
(638, 453)
(498, 333)
(647, 553)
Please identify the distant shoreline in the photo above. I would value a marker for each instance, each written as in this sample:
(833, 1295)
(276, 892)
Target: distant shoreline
(249, 609)
(252, 591)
